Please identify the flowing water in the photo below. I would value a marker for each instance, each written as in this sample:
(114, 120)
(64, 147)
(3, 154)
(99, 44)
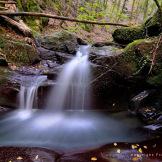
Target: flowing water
(28, 91)
(72, 86)
(66, 130)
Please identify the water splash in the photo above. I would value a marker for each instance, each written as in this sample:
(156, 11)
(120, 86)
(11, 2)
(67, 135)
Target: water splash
(72, 86)
(28, 91)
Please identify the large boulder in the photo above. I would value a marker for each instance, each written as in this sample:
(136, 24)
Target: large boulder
(152, 27)
(8, 90)
(128, 34)
(138, 59)
(62, 41)
(18, 51)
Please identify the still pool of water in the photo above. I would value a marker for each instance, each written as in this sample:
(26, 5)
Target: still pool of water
(69, 130)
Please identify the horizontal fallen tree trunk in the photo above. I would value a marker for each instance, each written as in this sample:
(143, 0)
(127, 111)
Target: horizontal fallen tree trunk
(3, 8)
(59, 18)
(7, 2)
(21, 26)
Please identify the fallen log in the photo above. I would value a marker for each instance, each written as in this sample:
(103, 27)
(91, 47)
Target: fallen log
(3, 8)
(7, 2)
(21, 26)
(35, 14)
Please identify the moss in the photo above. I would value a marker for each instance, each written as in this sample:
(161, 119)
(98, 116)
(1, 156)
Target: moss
(2, 42)
(32, 6)
(137, 57)
(155, 80)
(62, 41)
(152, 27)
(18, 52)
(4, 72)
(19, 5)
(128, 34)
(133, 57)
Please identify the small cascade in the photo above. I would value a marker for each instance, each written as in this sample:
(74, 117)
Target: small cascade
(28, 91)
(72, 86)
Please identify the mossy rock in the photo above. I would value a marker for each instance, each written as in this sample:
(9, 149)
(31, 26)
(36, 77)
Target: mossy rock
(152, 27)
(62, 41)
(138, 55)
(128, 34)
(18, 52)
(4, 73)
(156, 80)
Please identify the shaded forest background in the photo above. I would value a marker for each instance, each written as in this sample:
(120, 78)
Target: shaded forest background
(130, 12)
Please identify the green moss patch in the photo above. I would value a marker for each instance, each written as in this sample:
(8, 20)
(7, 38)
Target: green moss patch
(18, 52)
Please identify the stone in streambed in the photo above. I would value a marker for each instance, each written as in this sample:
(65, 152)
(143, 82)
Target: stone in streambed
(140, 100)
(63, 41)
(55, 56)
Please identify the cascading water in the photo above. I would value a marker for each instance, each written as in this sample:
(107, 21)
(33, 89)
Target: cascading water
(72, 86)
(28, 91)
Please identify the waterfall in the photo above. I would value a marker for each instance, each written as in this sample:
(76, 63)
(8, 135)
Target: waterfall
(72, 86)
(28, 91)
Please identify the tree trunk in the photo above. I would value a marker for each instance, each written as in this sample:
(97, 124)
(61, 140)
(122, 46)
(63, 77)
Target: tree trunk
(59, 18)
(21, 26)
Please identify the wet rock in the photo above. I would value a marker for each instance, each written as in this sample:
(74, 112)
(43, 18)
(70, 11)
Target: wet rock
(59, 57)
(4, 109)
(106, 81)
(101, 44)
(149, 114)
(8, 95)
(27, 154)
(46, 54)
(105, 51)
(147, 106)
(63, 41)
(110, 75)
(26, 70)
(154, 127)
(3, 61)
(141, 100)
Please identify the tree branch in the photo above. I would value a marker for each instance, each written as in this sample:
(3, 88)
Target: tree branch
(154, 53)
(59, 18)
(3, 8)
(7, 2)
(18, 25)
